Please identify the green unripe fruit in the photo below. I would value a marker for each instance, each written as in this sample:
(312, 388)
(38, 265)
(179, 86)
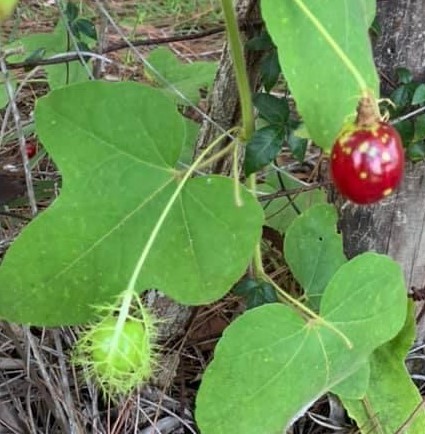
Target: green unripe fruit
(6, 8)
(118, 353)
(118, 356)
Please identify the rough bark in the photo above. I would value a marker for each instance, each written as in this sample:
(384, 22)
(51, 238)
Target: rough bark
(223, 103)
(396, 225)
(402, 41)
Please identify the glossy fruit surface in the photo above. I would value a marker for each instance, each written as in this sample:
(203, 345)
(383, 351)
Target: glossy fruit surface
(126, 354)
(367, 163)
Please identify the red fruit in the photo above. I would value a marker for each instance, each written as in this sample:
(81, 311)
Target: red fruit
(367, 163)
(30, 149)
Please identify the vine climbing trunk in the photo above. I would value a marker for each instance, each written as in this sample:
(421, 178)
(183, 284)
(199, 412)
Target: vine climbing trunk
(223, 104)
(224, 110)
(396, 226)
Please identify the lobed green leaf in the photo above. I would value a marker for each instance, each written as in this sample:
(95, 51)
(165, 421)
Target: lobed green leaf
(271, 364)
(115, 145)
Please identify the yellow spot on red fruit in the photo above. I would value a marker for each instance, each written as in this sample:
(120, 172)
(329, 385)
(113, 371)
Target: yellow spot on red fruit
(347, 150)
(343, 140)
(363, 175)
(386, 157)
(364, 147)
(387, 192)
(384, 139)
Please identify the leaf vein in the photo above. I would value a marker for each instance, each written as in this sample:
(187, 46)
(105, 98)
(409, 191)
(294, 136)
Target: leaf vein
(110, 232)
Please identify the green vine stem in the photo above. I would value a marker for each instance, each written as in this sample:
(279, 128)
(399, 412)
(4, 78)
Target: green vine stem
(258, 259)
(235, 168)
(130, 292)
(220, 154)
(247, 109)
(239, 65)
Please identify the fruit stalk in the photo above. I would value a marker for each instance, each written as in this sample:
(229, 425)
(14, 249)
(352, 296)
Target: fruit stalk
(367, 112)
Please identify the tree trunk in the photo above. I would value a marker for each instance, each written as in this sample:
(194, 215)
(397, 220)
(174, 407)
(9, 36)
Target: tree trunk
(223, 104)
(396, 226)
(401, 43)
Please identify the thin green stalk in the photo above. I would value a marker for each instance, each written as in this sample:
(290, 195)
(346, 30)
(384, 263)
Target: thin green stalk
(247, 109)
(304, 309)
(220, 154)
(239, 65)
(258, 259)
(237, 185)
(130, 290)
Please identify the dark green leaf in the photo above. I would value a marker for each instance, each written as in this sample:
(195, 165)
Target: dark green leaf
(87, 28)
(406, 130)
(416, 151)
(74, 30)
(263, 148)
(270, 70)
(404, 75)
(419, 95)
(375, 28)
(271, 108)
(245, 286)
(71, 11)
(419, 128)
(297, 145)
(255, 293)
(82, 46)
(37, 54)
(260, 43)
(402, 96)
